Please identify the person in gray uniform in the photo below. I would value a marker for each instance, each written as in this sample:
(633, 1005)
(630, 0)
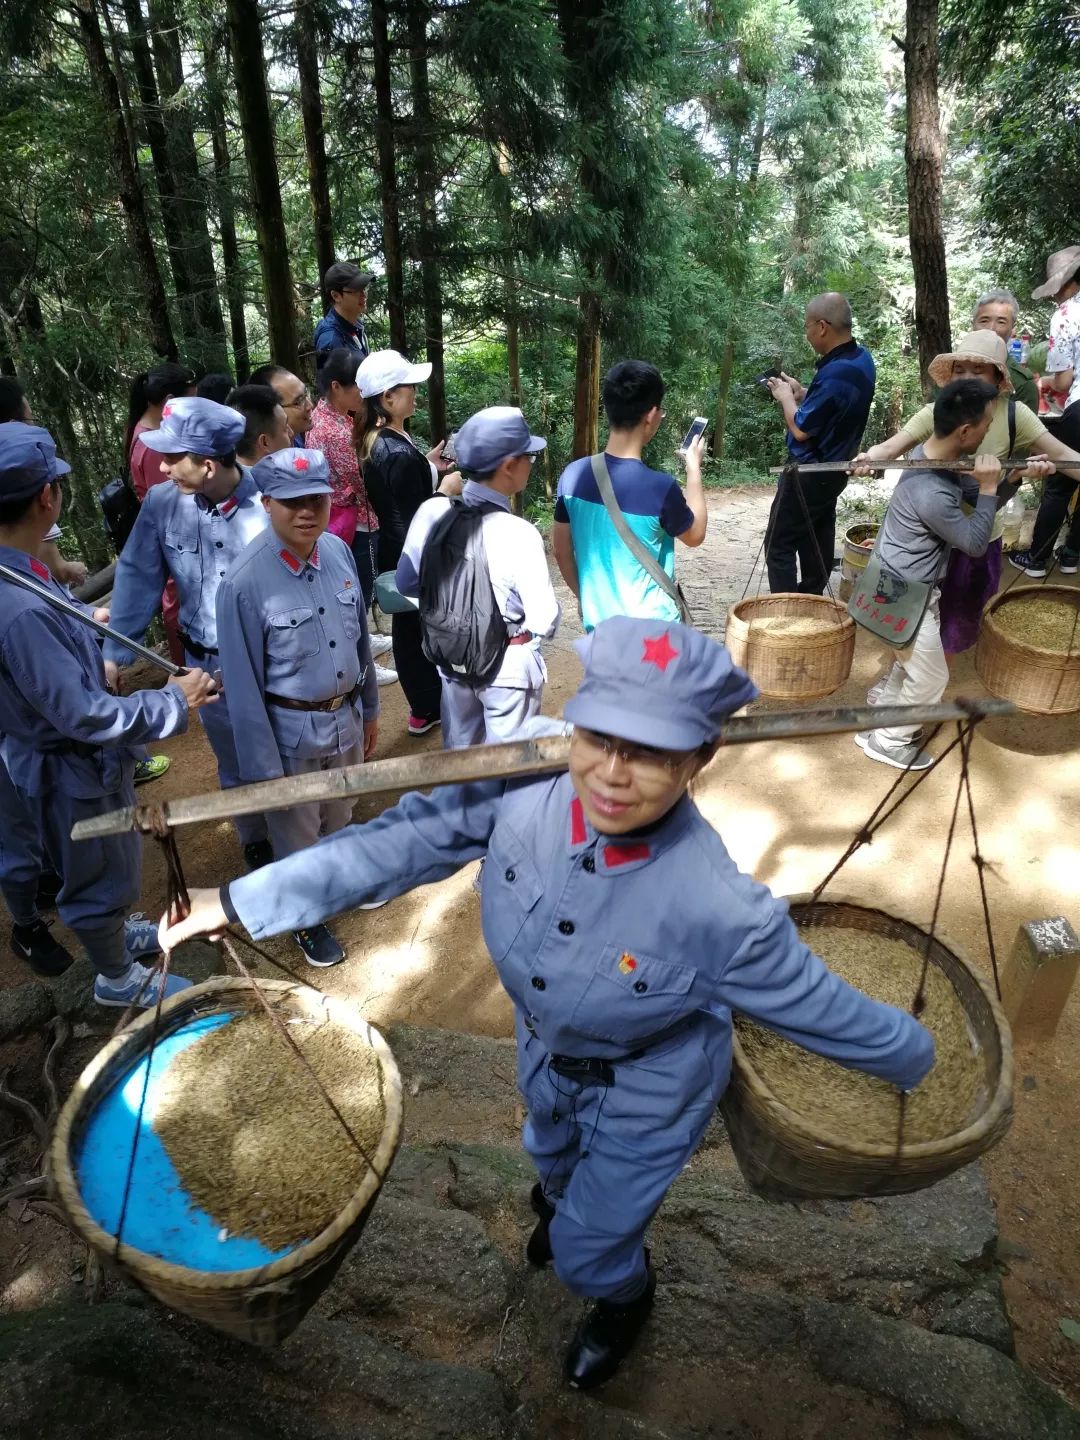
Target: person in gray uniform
(296, 657)
(495, 452)
(192, 530)
(70, 745)
(625, 937)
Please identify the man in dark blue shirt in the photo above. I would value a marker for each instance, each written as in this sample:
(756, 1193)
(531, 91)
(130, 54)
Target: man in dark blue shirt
(824, 422)
(343, 324)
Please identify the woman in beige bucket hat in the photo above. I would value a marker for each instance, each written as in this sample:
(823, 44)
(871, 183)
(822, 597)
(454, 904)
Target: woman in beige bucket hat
(1017, 431)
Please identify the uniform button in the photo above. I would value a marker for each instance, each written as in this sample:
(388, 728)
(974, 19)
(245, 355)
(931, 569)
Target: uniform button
(538, 983)
(220, 544)
(322, 609)
(511, 876)
(566, 927)
(311, 578)
(222, 574)
(640, 987)
(292, 622)
(341, 674)
(588, 864)
(332, 644)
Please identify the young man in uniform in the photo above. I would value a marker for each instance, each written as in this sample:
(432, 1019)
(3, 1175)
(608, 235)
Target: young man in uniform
(69, 744)
(295, 657)
(495, 453)
(192, 530)
(266, 427)
(343, 324)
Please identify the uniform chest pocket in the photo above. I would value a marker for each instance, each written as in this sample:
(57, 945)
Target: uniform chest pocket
(182, 548)
(350, 619)
(292, 634)
(630, 996)
(509, 891)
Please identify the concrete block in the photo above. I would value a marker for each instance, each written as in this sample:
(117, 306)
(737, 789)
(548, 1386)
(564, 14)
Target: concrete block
(1038, 977)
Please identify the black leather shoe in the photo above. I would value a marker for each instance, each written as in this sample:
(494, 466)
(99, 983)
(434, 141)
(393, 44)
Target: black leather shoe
(538, 1249)
(35, 945)
(604, 1338)
(258, 853)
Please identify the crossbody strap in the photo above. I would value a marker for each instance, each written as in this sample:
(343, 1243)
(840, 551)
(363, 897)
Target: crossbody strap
(641, 553)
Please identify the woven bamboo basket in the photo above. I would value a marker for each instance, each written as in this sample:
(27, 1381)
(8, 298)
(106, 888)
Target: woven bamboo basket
(783, 1153)
(792, 667)
(261, 1305)
(1042, 682)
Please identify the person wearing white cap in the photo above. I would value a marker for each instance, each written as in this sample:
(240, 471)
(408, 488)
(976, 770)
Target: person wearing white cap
(398, 478)
(1062, 381)
(496, 453)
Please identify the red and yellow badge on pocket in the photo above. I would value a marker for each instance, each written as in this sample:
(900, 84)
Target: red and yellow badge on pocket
(627, 964)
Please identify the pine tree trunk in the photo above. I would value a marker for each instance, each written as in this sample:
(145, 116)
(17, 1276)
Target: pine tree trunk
(922, 155)
(132, 199)
(154, 127)
(311, 109)
(587, 376)
(723, 390)
(427, 180)
(199, 307)
(388, 188)
(253, 101)
(230, 249)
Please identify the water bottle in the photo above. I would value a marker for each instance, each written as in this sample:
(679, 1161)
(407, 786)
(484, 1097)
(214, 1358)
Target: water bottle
(1025, 348)
(1016, 351)
(1013, 523)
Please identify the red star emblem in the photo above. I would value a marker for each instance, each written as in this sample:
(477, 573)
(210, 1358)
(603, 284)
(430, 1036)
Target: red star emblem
(166, 412)
(300, 463)
(659, 652)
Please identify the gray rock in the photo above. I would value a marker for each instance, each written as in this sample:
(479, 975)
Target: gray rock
(573, 1415)
(979, 1315)
(23, 1008)
(384, 1394)
(938, 1379)
(420, 1266)
(73, 994)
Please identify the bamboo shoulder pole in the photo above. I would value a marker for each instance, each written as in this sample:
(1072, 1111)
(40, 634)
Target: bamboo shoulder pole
(519, 759)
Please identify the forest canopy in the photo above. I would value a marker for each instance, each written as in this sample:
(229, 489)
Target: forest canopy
(539, 188)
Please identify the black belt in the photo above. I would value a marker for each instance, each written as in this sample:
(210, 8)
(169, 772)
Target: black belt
(201, 652)
(334, 703)
(599, 1069)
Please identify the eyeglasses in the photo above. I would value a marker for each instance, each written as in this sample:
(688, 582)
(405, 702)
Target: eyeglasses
(304, 398)
(645, 757)
(530, 458)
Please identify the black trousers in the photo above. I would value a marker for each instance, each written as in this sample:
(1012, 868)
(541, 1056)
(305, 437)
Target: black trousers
(418, 676)
(363, 552)
(1059, 490)
(806, 536)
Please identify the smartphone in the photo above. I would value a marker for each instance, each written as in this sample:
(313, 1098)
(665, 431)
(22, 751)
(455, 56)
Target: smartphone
(448, 451)
(773, 373)
(696, 429)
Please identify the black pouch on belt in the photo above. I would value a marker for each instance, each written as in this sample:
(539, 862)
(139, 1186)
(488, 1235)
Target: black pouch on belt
(590, 1071)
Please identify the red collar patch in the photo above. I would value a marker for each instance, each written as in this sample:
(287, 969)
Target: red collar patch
(40, 570)
(290, 560)
(313, 558)
(659, 652)
(616, 855)
(227, 507)
(578, 832)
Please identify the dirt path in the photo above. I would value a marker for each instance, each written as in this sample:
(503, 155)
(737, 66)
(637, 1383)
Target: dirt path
(786, 812)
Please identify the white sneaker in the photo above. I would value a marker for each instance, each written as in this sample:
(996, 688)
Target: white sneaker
(380, 644)
(385, 676)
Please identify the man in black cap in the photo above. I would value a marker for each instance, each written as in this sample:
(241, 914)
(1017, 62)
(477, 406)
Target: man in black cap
(343, 324)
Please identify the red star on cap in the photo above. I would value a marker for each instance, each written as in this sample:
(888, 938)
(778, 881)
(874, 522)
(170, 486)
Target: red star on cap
(166, 412)
(659, 652)
(300, 463)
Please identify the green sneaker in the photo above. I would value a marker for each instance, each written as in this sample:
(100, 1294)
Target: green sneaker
(152, 768)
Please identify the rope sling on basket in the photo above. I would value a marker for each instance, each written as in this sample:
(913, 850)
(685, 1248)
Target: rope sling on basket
(787, 1148)
(795, 646)
(255, 1283)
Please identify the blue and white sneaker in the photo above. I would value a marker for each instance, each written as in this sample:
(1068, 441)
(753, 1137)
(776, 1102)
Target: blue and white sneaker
(140, 936)
(119, 995)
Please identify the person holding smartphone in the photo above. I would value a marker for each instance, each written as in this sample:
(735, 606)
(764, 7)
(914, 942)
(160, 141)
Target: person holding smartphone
(825, 421)
(594, 560)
